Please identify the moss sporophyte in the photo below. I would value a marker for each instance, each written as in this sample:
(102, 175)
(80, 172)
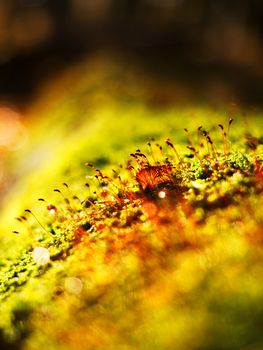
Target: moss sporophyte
(157, 204)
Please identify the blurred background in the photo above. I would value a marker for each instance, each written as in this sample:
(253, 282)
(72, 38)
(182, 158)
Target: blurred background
(213, 47)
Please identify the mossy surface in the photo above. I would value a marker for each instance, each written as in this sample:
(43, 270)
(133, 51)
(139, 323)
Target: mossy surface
(166, 254)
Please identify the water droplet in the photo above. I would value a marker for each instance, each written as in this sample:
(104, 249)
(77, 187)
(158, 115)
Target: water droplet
(41, 255)
(162, 194)
(73, 285)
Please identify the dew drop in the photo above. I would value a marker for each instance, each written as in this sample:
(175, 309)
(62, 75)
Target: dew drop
(41, 255)
(73, 285)
(162, 194)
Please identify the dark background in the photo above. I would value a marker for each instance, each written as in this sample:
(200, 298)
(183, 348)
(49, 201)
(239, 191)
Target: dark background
(216, 41)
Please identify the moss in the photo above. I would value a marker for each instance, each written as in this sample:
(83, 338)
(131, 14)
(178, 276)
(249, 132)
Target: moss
(135, 261)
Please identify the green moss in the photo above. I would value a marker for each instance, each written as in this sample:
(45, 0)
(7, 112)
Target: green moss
(129, 269)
